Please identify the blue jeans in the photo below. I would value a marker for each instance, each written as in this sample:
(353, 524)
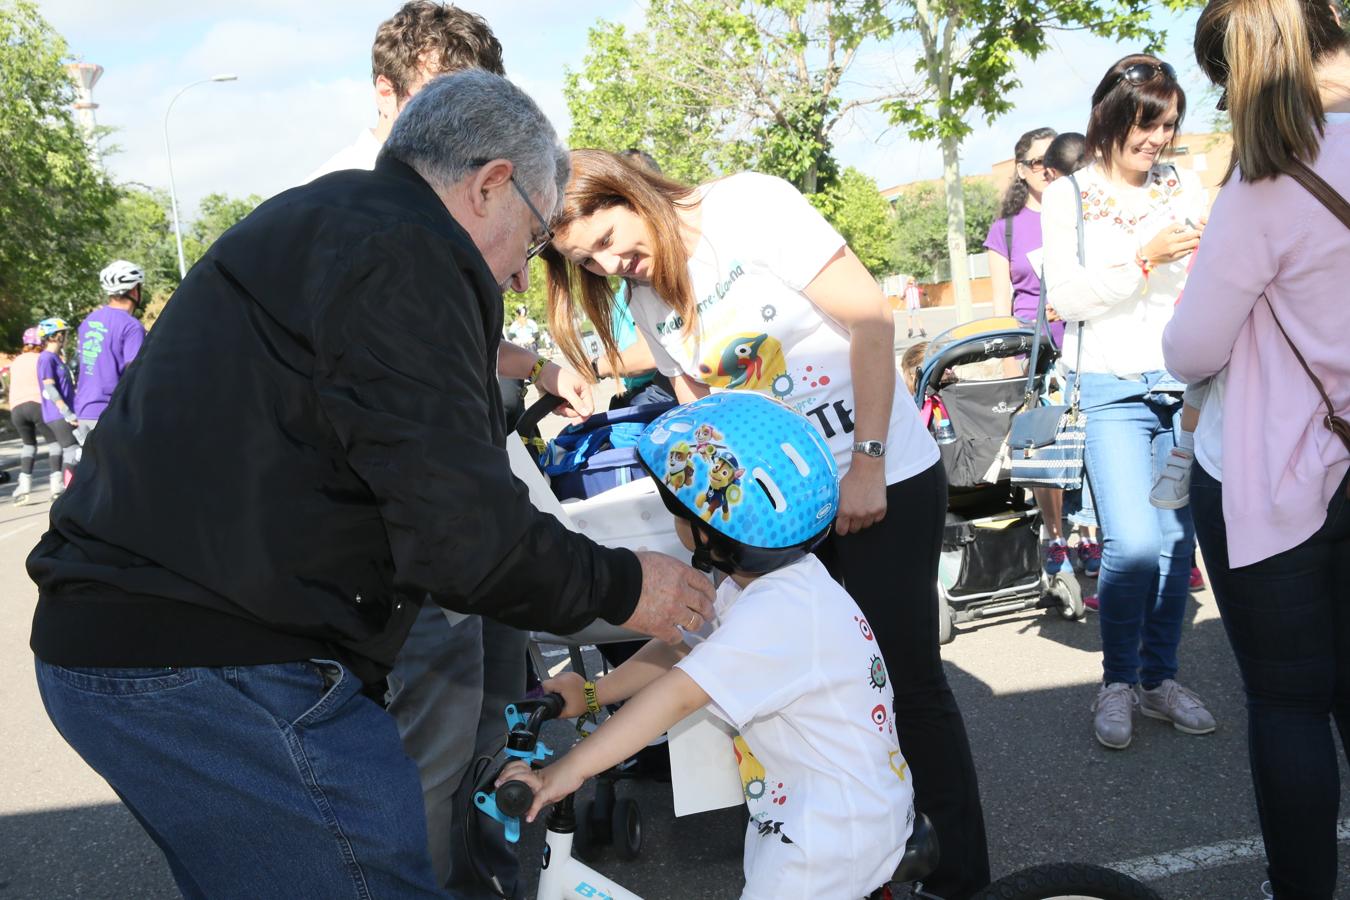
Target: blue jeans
(1288, 619)
(256, 781)
(1146, 551)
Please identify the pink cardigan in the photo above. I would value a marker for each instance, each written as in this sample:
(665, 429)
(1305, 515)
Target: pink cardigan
(1281, 466)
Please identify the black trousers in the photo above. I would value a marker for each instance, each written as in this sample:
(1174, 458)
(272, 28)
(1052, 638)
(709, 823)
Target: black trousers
(890, 570)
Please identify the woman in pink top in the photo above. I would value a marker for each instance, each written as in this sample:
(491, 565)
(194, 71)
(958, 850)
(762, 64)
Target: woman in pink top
(1268, 492)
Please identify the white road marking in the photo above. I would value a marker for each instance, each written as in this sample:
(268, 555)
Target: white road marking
(1208, 856)
(21, 528)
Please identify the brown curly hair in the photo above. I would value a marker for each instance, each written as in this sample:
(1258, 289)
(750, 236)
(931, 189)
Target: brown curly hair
(439, 36)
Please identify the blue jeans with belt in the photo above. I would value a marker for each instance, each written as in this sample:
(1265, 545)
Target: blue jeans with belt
(1146, 551)
(256, 781)
(1288, 619)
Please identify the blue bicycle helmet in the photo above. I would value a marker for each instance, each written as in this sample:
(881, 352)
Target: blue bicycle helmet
(754, 478)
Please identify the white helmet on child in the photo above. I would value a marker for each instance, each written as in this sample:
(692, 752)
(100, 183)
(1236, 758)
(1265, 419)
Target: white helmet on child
(120, 276)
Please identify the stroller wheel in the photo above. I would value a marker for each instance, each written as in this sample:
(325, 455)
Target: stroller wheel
(1069, 596)
(946, 621)
(627, 828)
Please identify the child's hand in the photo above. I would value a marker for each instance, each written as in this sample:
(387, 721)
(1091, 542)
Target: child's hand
(572, 687)
(549, 784)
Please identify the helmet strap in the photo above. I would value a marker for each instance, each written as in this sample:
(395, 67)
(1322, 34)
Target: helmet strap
(703, 560)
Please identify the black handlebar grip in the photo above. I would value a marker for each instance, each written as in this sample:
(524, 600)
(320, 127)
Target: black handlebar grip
(553, 705)
(514, 798)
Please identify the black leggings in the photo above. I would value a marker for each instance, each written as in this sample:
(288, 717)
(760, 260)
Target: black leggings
(27, 419)
(890, 570)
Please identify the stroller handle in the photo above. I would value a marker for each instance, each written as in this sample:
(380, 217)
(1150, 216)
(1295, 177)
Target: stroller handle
(530, 419)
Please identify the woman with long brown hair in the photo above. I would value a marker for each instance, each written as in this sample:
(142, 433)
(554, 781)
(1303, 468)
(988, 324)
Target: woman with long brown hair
(1265, 318)
(740, 284)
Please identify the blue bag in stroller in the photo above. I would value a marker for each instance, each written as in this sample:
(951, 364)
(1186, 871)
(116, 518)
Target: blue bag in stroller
(599, 454)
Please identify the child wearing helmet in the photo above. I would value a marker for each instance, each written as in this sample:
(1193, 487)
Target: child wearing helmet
(109, 339)
(25, 411)
(58, 397)
(789, 661)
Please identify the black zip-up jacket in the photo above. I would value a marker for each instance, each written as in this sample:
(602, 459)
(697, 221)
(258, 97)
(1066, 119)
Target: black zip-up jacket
(310, 441)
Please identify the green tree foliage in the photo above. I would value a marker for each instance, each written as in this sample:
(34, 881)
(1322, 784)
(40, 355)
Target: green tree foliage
(216, 215)
(622, 98)
(921, 224)
(55, 202)
(969, 54)
(715, 86)
(854, 206)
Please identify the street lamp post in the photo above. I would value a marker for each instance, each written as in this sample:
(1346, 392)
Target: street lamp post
(173, 190)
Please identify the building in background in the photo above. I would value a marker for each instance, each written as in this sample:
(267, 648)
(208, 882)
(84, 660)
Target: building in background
(86, 75)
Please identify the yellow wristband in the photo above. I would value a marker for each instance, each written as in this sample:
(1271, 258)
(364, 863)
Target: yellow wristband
(537, 368)
(592, 704)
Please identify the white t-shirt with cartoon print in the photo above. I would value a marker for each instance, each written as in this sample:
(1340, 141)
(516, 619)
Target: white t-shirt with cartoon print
(762, 244)
(792, 665)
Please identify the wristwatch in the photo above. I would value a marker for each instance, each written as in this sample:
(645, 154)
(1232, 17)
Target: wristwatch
(874, 449)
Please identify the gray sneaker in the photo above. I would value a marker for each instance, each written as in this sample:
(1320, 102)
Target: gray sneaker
(1178, 705)
(1114, 722)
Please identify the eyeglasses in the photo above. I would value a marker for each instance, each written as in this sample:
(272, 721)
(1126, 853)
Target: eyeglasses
(1035, 165)
(1143, 73)
(537, 244)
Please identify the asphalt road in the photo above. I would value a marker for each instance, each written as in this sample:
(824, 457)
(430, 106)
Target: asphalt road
(1024, 681)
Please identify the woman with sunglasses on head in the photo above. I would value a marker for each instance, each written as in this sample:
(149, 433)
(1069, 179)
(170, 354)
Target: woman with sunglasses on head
(1269, 485)
(1141, 221)
(740, 284)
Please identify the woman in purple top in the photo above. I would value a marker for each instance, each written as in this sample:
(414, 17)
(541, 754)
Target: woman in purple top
(58, 395)
(1017, 291)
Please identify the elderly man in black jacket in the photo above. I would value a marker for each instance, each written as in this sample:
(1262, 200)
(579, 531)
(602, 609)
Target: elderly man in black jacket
(311, 441)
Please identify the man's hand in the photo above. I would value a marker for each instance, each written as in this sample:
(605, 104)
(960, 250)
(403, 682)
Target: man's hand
(575, 390)
(572, 688)
(673, 596)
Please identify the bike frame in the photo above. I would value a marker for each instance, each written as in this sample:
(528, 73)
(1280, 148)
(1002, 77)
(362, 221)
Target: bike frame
(564, 877)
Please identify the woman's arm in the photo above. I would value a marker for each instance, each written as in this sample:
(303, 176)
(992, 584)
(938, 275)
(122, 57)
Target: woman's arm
(687, 390)
(634, 359)
(846, 292)
(649, 714)
(1238, 262)
(1000, 279)
(1078, 292)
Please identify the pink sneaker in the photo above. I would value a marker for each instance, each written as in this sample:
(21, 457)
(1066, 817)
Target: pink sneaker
(1197, 580)
(1091, 603)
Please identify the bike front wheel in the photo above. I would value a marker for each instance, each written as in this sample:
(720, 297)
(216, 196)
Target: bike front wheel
(1068, 881)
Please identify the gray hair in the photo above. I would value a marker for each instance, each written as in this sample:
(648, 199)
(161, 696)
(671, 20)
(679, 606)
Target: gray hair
(473, 115)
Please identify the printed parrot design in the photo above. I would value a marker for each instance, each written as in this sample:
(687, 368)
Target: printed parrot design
(680, 467)
(750, 361)
(723, 491)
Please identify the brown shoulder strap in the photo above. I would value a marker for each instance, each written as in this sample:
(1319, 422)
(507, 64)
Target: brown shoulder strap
(1325, 193)
(1339, 208)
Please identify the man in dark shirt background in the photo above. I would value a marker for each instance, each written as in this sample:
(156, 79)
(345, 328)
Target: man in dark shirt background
(220, 594)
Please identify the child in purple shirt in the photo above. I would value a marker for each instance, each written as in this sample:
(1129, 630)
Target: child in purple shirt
(58, 395)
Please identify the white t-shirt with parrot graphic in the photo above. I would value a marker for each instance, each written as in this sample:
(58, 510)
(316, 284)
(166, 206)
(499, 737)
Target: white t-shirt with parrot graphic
(762, 244)
(792, 665)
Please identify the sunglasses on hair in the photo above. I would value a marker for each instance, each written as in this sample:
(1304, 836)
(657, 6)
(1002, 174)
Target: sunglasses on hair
(1143, 73)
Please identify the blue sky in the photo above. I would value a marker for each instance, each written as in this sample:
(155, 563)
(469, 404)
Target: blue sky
(304, 84)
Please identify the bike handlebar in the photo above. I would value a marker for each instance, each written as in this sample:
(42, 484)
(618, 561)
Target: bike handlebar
(514, 798)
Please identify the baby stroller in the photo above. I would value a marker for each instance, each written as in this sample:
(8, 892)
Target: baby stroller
(602, 491)
(991, 559)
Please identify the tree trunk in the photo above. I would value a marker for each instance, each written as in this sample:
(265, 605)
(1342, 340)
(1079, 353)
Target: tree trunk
(956, 227)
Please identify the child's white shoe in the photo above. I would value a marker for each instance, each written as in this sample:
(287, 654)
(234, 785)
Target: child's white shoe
(1172, 490)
